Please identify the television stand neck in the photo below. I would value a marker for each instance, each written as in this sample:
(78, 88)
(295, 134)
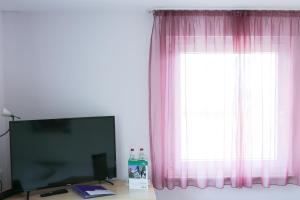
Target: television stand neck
(27, 195)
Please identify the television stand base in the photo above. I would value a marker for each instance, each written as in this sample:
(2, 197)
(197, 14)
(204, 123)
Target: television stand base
(107, 181)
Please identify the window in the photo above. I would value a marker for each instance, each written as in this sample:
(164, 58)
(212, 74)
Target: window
(210, 91)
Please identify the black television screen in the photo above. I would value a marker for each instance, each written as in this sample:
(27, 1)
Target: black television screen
(59, 151)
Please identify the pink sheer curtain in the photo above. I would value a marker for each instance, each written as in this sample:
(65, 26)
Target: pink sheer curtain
(224, 98)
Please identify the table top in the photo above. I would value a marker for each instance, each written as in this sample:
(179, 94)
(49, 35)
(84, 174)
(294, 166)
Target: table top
(120, 188)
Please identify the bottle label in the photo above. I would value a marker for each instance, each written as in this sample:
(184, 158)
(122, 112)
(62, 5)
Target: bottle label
(137, 162)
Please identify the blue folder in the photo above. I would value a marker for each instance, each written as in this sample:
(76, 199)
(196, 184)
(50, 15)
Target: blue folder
(90, 191)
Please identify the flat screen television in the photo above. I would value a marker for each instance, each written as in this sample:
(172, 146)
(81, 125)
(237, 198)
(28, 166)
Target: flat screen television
(55, 152)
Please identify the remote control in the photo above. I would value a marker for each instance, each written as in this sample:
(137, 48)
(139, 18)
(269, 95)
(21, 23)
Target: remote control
(55, 192)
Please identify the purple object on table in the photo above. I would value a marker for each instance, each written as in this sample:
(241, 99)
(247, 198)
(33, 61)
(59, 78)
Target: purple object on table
(90, 191)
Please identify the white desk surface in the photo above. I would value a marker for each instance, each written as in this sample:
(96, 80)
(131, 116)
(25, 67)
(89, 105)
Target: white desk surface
(120, 188)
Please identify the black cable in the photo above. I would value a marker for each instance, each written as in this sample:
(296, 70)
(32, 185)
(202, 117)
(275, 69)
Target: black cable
(4, 133)
(1, 184)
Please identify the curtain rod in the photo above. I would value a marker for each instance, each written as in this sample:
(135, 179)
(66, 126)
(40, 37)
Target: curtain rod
(236, 8)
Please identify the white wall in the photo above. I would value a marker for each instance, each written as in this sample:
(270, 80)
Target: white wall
(94, 64)
(79, 64)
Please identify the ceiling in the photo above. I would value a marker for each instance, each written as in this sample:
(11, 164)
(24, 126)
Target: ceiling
(40, 5)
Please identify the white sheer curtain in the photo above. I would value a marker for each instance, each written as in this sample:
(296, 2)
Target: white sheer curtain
(224, 93)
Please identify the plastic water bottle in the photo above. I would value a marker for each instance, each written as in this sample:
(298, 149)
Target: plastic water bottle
(142, 154)
(131, 155)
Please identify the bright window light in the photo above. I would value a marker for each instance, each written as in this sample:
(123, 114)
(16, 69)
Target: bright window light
(222, 95)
